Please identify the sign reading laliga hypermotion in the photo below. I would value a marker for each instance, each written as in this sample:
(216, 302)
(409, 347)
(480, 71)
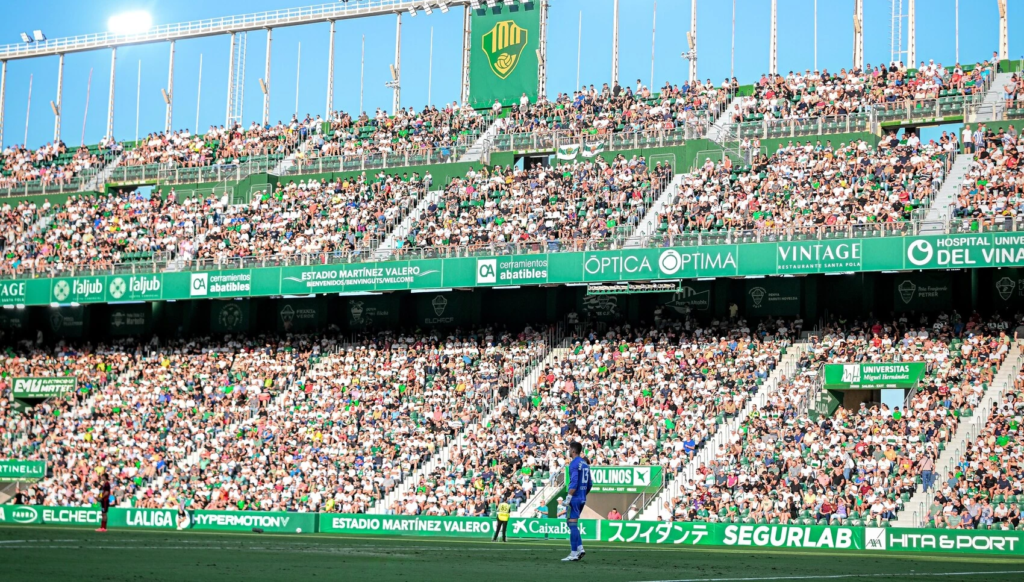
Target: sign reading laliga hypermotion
(652, 264)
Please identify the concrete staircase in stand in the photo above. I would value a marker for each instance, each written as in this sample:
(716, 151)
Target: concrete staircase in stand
(387, 248)
(938, 213)
(915, 511)
(480, 148)
(649, 223)
(720, 131)
(409, 482)
(97, 182)
(991, 107)
(786, 366)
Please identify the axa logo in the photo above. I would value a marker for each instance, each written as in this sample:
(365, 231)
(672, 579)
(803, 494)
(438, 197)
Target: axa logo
(504, 46)
(874, 538)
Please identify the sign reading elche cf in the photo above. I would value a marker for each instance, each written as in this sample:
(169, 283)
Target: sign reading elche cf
(11, 469)
(43, 387)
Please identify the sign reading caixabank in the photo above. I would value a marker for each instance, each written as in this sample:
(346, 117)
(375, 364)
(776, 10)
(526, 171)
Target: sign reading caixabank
(771, 258)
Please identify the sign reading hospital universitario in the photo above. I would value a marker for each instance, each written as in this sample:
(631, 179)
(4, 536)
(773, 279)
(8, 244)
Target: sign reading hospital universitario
(11, 470)
(503, 60)
(873, 376)
(777, 258)
(43, 387)
(624, 479)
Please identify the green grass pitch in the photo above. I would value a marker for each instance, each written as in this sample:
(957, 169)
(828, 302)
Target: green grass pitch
(45, 554)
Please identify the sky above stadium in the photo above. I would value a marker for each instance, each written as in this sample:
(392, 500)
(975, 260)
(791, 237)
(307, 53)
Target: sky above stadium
(57, 18)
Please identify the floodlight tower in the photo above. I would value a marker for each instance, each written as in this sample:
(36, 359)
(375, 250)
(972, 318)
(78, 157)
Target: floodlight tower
(858, 34)
(169, 95)
(773, 49)
(615, 43)
(691, 39)
(395, 84)
(57, 110)
(1004, 42)
(911, 34)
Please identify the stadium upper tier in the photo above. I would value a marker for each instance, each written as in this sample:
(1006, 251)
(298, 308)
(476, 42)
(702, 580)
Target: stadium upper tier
(855, 467)
(806, 188)
(286, 423)
(810, 98)
(986, 490)
(797, 104)
(803, 191)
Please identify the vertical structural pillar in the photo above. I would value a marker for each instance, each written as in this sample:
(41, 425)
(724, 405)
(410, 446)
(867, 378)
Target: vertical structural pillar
(266, 80)
(858, 34)
(615, 43)
(330, 74)
(466, 40)
(110, 103)
(397, 99)
(60, 93)
(911, 35)
(542, 61)
(3, 98)
(1004, 36)
(169, 113)
(231, 84)
(693, 41)
(773, 44)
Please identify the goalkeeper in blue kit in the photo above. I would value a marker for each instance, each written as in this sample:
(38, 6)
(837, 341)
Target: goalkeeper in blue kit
(579, 486)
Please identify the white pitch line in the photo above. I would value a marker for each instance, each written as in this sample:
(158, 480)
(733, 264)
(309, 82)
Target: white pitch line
(842, 576)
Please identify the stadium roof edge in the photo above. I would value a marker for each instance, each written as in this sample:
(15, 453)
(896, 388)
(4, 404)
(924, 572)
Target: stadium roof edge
(213, 26)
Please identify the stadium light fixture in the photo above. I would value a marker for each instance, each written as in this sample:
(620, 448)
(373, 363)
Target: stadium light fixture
(510, 2)
(263, 86)
(56, 111)
(491, 3)
(474, 4)
(167, 98)
(394, 73)
(412, 11)
(26, 38)
(38, 35)
(443, 6)
(133, 22)
(427, 9)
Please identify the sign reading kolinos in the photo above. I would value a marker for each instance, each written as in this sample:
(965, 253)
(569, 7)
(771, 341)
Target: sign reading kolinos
(769, 258)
